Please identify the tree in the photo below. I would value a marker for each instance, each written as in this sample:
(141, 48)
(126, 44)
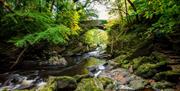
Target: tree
(29, 22)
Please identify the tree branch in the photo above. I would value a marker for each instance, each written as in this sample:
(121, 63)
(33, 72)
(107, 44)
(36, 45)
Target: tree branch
(2, 3)
(134, 8)
(18, 58)
(53, 1)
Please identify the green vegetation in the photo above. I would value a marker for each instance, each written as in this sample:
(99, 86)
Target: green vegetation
(96, 37)
(142, 19)
(58, 83)
(34, 21)
(93, 84)
(142, 36)
(139, 34)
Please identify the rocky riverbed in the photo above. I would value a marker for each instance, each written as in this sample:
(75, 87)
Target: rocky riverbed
(84, 72)
(107, 79)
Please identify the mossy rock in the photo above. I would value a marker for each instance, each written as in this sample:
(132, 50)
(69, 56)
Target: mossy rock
(93, 84)
(121, 60)
(148, 70)
(168, 75)
(152, 59)
(105, 81)
(24, 90)
(149, 66)
(91, 62)
(143, 48)
(60, 83)
(80, 77)
(141, 60)
(138, 84)
(160, 56)
(162, 85)
(90, 84)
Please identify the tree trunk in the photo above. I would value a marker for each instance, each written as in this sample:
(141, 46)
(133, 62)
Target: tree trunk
(126, 10)
(53, 2)
(134, 8)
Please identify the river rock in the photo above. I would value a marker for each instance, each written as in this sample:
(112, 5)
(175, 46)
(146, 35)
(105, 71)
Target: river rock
(58, 60)
(138, 84)
(124, 79)
(162, 85)
(95, 84)
(120, 75)
(62, 83)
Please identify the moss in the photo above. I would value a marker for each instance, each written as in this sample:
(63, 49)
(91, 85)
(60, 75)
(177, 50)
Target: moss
(90, 84)
(51, 86)
(162, 85)
(147, 66)
(148, 70)
(160, 57)
(138, 84)
(121, 60)
(95, 84)
(56, 83)
(80, 77)
(126, 66)
(105, 81)
(24, 90)
(139, 61)
(77, 77)
(168, 75)
(91, 62)
(5, 89)
(145, 70)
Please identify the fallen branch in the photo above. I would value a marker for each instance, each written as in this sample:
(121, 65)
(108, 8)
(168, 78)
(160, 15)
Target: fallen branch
(5, 6)
(18, 58)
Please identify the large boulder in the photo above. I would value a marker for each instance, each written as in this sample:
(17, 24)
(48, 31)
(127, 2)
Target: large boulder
(64, 83)
(94, 84)
(57, 60)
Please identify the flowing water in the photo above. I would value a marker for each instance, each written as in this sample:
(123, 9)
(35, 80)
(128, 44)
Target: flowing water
(24, 79)
(91, 63)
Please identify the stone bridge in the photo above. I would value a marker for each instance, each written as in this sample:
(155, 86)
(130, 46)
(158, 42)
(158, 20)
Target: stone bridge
(89, 24)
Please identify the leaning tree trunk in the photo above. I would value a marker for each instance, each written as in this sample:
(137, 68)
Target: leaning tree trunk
(126, 10)
(53, 2)
(134, 8)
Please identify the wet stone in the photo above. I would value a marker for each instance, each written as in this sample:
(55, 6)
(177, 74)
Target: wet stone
(138, 84)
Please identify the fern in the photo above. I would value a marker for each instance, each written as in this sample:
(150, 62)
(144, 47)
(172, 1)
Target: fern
(19, 24)
(166, 10)
(55, 35)
(36, 21)
(32, 28)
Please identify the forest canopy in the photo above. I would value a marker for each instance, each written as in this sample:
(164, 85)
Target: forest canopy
(29, 22)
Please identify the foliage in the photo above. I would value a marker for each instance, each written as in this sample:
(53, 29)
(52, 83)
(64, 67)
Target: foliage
(96, 37)
(68, 15)
(168, 12)
(35, 21)
(140, 20)
(55, 35)
(161, 15)
(20, 23)
(110, 23)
